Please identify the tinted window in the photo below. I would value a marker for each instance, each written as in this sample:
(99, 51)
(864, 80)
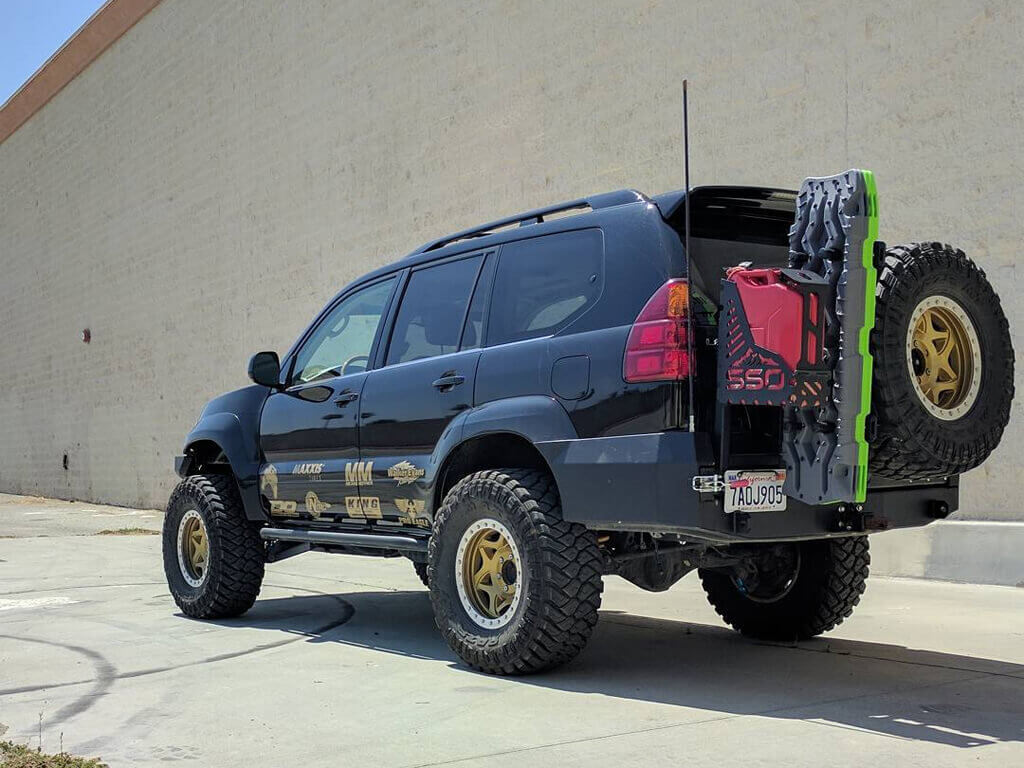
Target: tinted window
(472, 335)
(545, 283)
(430, 319)
(341, 343)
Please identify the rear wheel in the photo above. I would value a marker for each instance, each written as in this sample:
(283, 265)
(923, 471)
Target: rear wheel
(943, 365)
(213, 555)
(515, 588)
(791, 591)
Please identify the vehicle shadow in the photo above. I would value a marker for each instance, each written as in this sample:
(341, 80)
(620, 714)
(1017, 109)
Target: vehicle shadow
(905, 693)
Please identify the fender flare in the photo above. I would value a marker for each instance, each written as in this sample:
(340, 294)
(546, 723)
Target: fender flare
(535, 418)
(237, 437)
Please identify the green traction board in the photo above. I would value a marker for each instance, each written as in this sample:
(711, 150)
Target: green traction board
(864, 341)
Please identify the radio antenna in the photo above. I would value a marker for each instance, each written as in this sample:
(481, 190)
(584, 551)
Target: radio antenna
(690, 317)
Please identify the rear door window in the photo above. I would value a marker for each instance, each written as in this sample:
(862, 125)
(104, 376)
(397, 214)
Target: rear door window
(545, 283)
(432, 312)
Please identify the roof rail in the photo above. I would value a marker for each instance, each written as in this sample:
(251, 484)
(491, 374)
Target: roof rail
(536, 216)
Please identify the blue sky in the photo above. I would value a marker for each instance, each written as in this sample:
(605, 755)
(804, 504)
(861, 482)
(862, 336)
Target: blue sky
(31, 31)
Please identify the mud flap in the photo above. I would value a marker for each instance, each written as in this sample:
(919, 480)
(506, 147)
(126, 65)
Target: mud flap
(833, 236)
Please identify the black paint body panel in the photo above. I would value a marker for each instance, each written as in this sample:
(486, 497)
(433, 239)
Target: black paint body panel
(619, 452)
(643, 483)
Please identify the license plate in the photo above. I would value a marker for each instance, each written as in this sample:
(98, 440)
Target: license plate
(754, 490)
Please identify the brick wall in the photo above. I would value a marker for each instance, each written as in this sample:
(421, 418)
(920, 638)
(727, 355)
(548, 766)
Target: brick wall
(206, 184)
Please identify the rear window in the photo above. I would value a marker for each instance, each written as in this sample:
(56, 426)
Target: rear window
(545, 283)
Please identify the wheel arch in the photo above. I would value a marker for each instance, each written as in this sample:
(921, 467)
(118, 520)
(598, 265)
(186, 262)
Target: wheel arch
(204, 455)
(490, 450)
(500, 433)
(219, 445)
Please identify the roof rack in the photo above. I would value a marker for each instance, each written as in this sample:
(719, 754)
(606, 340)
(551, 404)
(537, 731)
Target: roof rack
(536, 216)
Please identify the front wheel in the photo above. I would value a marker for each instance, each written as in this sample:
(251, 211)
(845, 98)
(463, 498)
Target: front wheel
(213, 555)
(515, 588)
(791, 591)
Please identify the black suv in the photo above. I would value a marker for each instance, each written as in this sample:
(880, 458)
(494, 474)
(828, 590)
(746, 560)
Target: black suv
(523, 407)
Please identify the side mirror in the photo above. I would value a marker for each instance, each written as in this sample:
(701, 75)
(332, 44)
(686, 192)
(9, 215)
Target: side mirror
(265, 369)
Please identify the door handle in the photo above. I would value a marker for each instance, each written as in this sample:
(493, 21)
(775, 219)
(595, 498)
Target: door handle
(448, 381)
(345, 398)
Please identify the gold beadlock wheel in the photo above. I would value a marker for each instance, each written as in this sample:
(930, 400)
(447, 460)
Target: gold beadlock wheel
(934, 305)
(554, 578)
(944, 357)
(487, 573)
(193, 548)
(213, 554)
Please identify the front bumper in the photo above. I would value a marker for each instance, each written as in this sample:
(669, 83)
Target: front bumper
(643, 483)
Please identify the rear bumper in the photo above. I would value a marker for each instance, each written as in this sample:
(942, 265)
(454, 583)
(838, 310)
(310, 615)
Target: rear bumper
(643, 483)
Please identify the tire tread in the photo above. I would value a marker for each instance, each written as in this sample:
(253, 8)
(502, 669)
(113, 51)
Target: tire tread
(567, 610)
(905, 446)
(831, 597)
(235, 580)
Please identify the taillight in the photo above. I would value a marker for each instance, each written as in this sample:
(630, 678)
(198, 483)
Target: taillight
(656, 349)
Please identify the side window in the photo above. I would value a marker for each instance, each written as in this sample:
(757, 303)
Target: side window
(430, 318)
(341, 343)
(545, 283)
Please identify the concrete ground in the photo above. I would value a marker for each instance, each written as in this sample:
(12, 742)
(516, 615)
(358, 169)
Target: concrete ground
(22, 516)
(339, 663)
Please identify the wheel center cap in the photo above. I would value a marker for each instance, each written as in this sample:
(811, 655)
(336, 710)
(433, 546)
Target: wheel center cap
(917, 361)
(508, 572)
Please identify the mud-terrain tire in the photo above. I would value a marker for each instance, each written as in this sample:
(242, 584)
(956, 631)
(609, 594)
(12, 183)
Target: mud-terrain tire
(208, 507)
(555, 572)
(921, 427)
(829, 580)
(421, 571)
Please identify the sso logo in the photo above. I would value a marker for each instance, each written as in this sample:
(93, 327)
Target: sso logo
(755, 379)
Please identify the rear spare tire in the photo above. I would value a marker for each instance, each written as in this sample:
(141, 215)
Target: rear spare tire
(943, 365)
